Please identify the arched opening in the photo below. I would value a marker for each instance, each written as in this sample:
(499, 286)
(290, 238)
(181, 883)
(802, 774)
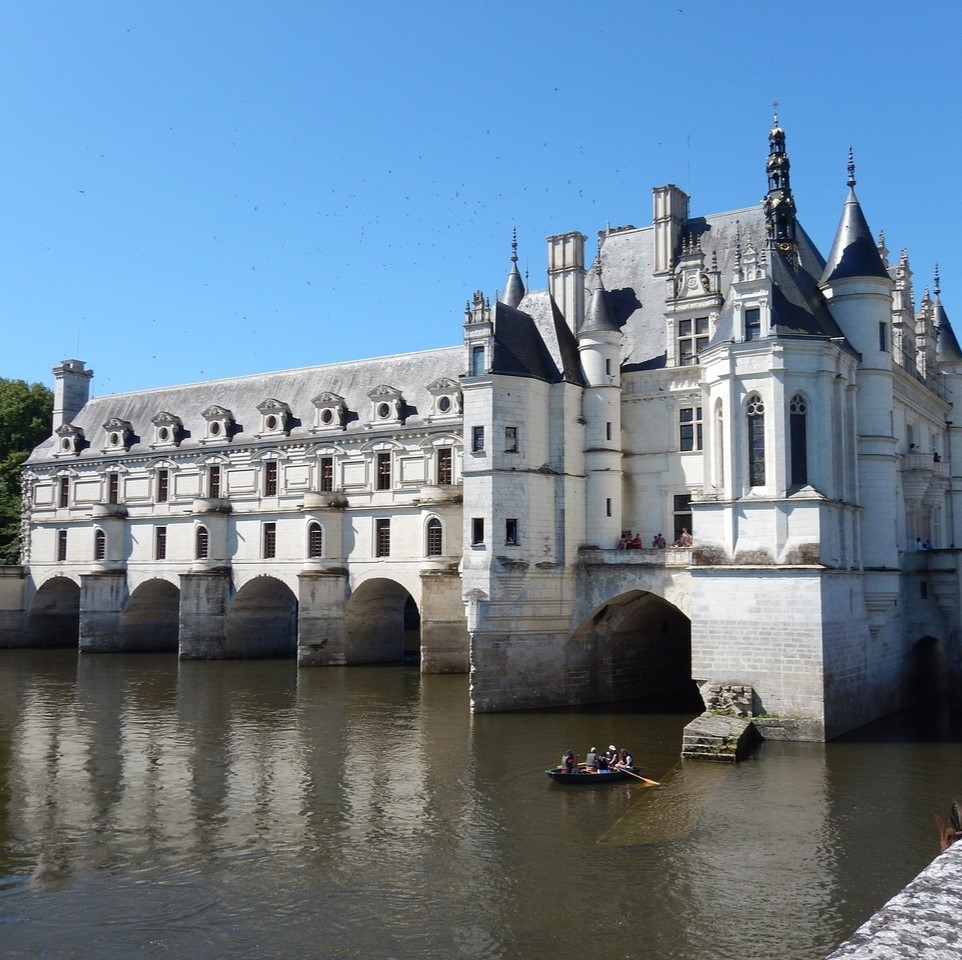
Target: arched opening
(637, 646)
(150, 619)
(927, 673)
(382, 623)
(54, 619)
(262, 621)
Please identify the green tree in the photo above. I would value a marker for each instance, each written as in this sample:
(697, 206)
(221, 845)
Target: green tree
(25, 412)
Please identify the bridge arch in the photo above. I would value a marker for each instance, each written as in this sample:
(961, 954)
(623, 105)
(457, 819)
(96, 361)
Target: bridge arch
(54, 618)
(382, 623)
(637, 646)
(150, 618)
(262, 620)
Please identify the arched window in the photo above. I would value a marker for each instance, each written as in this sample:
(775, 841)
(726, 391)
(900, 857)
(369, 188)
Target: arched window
(434, 545)
(798, 440)
(201, 543)
(755, 412)
(100, 545)
(315, 541)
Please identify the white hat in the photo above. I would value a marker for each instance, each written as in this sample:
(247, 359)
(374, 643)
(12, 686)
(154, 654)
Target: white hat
(611, 746)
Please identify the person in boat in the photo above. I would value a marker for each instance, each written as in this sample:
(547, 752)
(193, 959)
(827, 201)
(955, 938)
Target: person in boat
(568, 762)
(611, 755)
(591, 759)
(625, 760)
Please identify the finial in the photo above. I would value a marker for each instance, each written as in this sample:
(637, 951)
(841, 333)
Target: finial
(738, 243)
(775, 106)
(936, 285)
(851, 168)
(514, 245)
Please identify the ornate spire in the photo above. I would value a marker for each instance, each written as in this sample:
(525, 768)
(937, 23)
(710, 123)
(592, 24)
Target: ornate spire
(779, 203)
(514, 288)
(851, 168)
(936, 285)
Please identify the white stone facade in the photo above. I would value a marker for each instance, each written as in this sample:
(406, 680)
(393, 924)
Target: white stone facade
(708, 375)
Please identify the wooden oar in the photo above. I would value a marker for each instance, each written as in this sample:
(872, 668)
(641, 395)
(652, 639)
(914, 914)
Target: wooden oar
(645, 780)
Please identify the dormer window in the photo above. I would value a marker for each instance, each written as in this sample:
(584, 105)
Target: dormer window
(692, 339)
(119, 435)
(387, 405)
(70, 440)
(330, 412)
(167, 429)
(220, 424)
(445, 398)
(275, 417)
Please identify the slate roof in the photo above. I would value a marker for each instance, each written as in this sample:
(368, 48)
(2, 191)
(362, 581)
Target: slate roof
(410, 373)
(854, 252)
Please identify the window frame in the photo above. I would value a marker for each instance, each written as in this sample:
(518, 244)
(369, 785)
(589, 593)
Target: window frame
(269, 540)
(160, 543)
(382, 537)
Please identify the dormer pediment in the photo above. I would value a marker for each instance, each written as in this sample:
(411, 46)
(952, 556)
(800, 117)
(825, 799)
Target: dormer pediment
(330, 411)
(220, 424)
(445, 398)
(387, 405)
(119, 434)
(275, 417)
(168, 428)
(71, 440)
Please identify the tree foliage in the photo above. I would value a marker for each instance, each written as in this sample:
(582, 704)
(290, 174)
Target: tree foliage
(25, 413)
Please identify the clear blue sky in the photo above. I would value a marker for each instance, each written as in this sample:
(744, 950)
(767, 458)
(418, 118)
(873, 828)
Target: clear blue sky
(196, 189)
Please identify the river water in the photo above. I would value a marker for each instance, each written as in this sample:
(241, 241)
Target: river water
(153, 808)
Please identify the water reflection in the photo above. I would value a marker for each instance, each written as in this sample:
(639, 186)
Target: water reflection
(252, 810)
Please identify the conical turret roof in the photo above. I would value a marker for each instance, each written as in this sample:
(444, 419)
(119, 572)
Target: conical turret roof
(598, 316)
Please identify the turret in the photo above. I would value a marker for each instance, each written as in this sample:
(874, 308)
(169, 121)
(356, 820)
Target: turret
(599, 346)
(779, 202)
(71, 391)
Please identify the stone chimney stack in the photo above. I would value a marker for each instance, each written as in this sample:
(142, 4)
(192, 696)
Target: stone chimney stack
(669, 216)
(71, 390)
(566, 276)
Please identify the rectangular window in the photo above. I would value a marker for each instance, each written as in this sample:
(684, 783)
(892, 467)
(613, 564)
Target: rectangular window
(201, 543)
(607, 506)
(213, 482)
(113, 487)
(63, 484)
(327, 474)
(445, 466)
(61, 545)
(384, 471)
(270, 478)
(689, 428)
(160, 543)
(382, 538)
(692, 339)
(510, 439)
(511, 532)
(477, 439)
(477, 530)
(163, 486)
(477, 361)
(100, 545)
(607, 368)
(681, 510)
(270, 541)
(883, 340)
(753, 324)
(608, 431)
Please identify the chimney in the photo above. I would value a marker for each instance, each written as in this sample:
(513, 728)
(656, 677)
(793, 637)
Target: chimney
(71, 390)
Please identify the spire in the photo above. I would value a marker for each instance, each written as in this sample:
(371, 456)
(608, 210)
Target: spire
(597, 314)
(946, 345)
(779, 203)
(854, 253)
(514, 288)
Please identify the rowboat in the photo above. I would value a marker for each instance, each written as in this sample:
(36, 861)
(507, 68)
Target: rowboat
(597, 777)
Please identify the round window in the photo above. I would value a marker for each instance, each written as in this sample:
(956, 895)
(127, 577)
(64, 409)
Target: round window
(163, 433)
(444, 404)
(214, 429)
(114, 439)
(271, 422)
(383, 411)
(65, 444)
(326, 416)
